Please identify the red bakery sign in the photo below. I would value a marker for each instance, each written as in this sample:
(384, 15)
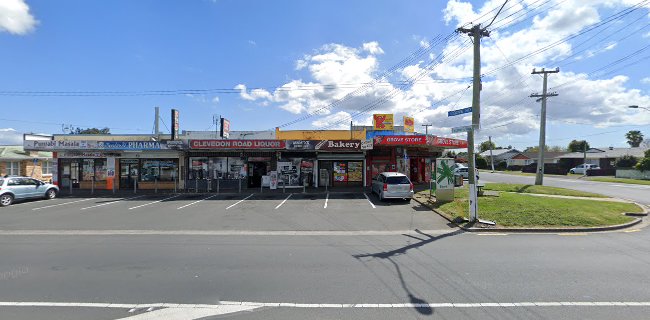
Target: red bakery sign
(236, 144)
(448, 142)
(399, 140)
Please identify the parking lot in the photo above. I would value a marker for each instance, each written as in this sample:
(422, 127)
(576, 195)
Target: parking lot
(333, 211)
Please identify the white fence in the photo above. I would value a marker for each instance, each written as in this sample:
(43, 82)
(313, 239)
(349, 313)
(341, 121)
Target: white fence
(633, 174)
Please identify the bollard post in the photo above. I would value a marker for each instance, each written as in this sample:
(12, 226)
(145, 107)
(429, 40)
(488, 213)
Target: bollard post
(71, 186)
(135, 185)
(210, 184)
(218, 185)
(113, 185)
(92, 186)
(304, 184)
(196, 185)
(175, 188)
(239, 181)
(155, 182)
(261, 186)
(284, 187)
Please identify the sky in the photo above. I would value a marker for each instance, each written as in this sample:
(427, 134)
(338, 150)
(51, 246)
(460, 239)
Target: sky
(321, 64)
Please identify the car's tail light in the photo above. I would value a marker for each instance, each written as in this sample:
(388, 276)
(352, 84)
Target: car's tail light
(411, 186)
(385, 186)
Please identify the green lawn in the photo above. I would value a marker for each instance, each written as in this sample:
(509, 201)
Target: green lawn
(527, 188)
(619, 180)
(517, 210)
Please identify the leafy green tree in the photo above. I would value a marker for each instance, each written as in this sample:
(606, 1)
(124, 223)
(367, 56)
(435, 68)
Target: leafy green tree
(486, 145)
(634, 138)
(481, 163)
(578, 145)
(644, 164)
(626, 161)
(91, 131)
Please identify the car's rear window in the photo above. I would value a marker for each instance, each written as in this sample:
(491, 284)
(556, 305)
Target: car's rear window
(398, 180)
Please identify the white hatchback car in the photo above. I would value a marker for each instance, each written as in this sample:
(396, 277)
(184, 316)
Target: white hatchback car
(392, 185)
(580, 169)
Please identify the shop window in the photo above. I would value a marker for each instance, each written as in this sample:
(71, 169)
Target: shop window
(100, 169)
(158, 169)
(340, 171)
(47, 167)
(88, 169)
(218, 168)
(198, 168)
(289, 171)
(236, 168)
(355, 171)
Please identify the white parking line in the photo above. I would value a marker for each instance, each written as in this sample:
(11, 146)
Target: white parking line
(327, 198)
(195, 202)
(285, 200)
(111, 202)
(240, 201)
(146, 204)
(60, 204)
(372, 204)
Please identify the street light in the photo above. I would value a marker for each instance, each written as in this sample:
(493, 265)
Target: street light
(637, 107)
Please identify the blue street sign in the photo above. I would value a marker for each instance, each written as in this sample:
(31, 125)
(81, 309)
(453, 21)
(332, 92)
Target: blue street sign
(461, 129)
(459, 111)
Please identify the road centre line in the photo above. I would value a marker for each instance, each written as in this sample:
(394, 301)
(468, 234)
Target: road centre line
(111, 202)
(187, 205)
(367, 198)
(226, 304)
(633, 230)
(60, 204)
(240, 201)
(146, 204)
(491, 234)
(327, 198)
(285, 200)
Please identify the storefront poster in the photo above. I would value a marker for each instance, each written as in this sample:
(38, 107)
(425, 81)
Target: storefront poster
(289, 172)
(274, 180)
(355, 171)
(340, 172)
(237, 144)
(366, 144)
(444, 174)
(409, 124)
(110, 167)
(399, 140)
(447, 142)
(88, 169)
(382, 121)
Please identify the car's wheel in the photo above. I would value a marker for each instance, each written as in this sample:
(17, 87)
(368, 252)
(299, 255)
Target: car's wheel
(6, 199)
(408, 200)
(572, 172)
(50, 194)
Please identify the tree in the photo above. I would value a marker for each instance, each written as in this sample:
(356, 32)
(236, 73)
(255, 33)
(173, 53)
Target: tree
(486, 145)
(91, 131)
(450, 154)
(634, 138)
(626, 161)
(644, 163)
(481, 163)
(556, 149)
(578, 146)
(536, 149)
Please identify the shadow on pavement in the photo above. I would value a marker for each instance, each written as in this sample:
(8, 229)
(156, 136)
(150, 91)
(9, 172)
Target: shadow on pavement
(420, 305)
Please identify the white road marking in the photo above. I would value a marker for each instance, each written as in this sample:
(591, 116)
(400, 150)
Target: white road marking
(172, 309)
(238, 202)
(327, 198)
(60, 204)
(187, 313)
(195, 202)
(491, 234)
(285, 200)
(217, 232)
(633, 230)
(372, 204)
(111, 202)
(161, 200)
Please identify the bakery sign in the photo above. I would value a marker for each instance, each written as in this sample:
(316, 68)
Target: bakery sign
(325, 145)
(237, 144)
(399, 140)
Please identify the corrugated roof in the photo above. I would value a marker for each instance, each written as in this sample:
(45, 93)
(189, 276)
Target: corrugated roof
(598, 153)
(496, 152)
(18, 153)
(547, 154)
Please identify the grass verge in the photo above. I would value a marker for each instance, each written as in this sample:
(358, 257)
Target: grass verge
(528, 188)
(620, 180)
(518, 210)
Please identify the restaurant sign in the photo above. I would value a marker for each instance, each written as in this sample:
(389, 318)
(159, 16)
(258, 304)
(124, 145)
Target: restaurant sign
(237, 144)
(59, 145)
(326, 145)
(399, 140)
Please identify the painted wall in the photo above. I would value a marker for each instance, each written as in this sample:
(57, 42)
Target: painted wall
(320, 134)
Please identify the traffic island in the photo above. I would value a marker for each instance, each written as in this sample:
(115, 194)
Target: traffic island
(558, 210)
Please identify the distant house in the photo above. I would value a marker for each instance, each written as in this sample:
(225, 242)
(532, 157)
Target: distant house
(549, 156)
(14, 160)
(603, 157)
(500, 155)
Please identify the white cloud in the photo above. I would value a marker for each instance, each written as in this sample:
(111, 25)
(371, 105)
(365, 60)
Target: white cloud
(252, 43)
(10, 136)
(647, 35)
(215, 100)
(646, 80)
(254, 94)
(335, 71)
(15, 17)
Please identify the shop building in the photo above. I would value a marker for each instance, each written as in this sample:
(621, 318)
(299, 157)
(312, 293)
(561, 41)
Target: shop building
(113, 162)
(15, 161)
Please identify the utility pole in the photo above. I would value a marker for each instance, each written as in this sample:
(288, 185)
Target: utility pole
(157, 123)
(426, 128)
(539, 178)
(584, 157)
(491, 157)
(476, 33)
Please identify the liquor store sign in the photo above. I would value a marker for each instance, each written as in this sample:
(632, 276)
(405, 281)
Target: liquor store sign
(237, 144)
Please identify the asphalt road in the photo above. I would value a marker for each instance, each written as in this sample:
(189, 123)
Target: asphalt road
(637, 193)
(324, 265)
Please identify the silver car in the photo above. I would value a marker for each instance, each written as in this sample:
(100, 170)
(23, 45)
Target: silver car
(392, 185)
(18, 188)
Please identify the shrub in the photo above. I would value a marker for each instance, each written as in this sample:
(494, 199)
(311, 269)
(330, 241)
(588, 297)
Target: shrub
(644, 164)
(481, 163)
(626, 161)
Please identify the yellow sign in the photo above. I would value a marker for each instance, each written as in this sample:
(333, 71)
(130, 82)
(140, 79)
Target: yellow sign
(409, 124)
(382, 121)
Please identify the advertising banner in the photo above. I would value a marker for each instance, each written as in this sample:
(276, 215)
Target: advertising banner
(327, 145)
(237, 144)
(444, 179)
(274, 180)
(110, 167)
(409, 124)
(448, 142)
(382, 121)
(399, 140)
(366, 144)
(175, 124)
(225, 128)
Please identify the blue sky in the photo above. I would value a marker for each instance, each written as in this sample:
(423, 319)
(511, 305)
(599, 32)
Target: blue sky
(145, 46)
